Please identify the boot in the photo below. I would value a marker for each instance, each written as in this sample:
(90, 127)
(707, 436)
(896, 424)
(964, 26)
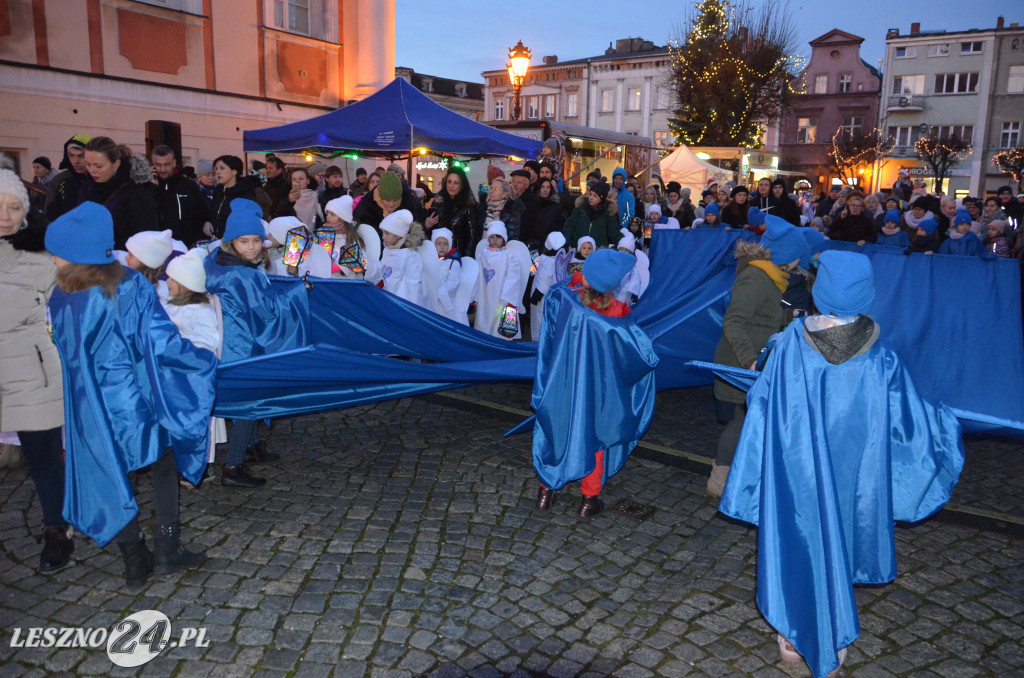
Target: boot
(168, 553)
(716, 483)
(545, 499)
(57, 548)
(138, 561)
(258, 454)
(590, 506)
(238, 476)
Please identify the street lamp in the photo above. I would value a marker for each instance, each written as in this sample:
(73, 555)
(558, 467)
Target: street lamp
(519, 63)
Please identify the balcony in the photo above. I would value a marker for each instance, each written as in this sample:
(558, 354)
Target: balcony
(908, 103)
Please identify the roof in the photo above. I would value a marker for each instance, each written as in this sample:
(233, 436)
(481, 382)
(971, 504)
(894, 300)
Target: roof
(442, 86)
(829, 38)
(874, 71)
(614, 56)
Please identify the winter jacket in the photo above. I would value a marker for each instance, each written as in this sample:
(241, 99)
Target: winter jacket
(754, 314)
(31, 389)
(603, 228)
(222, 198)
(329, 194)
(369, 212)
(356, 189)
(853, 228)
(130, 205)
(461, 219)
(277, 190)
(549, 219)
(181, 207)
(625, 200)
(735, 214)
(511, 215)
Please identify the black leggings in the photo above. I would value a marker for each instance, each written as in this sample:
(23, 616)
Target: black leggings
(44, 457)
(730, 437)
(165, 497)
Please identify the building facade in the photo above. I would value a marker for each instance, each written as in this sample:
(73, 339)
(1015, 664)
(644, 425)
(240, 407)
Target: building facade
(465, 98)
(965, 83)
(139, 69)
(839, 91)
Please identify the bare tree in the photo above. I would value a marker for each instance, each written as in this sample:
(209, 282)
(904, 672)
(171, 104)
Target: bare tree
(1011, 161)
(941, 153)
(850, 152)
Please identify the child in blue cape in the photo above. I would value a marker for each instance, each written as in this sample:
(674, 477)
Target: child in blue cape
(891, 234)
(962, 240)
(838, 444)
(133, 388)
(711, 217)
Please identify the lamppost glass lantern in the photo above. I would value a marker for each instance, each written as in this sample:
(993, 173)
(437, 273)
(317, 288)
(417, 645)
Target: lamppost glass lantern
(519, 64)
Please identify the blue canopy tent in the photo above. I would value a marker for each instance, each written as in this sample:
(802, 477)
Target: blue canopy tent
(393, 122)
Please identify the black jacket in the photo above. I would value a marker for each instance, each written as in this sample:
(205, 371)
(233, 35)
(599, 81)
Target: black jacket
(130, 205)
(461, 219)
(222, 202)
(62, 193)
(277, 190)
(369, 212)
(549, 219)
(181, 207)
(511, 215)
(330, 194)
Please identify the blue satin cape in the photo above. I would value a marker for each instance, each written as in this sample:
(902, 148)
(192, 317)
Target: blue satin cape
(594, 389)
(132, 387)
(258, 318)
(829, 457)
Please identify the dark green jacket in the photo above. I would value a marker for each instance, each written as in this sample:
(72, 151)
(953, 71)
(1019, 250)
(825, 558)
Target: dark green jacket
(604, 229)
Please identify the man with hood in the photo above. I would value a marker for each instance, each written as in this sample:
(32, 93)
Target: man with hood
(62, 191)
(623, 198)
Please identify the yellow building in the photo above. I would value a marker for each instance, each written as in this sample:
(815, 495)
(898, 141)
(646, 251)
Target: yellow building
(126, 68)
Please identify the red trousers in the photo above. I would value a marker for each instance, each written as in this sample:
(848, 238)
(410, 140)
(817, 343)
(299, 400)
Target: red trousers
(590, 485)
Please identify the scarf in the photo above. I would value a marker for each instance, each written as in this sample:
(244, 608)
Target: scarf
(890, 230)
(494, 210)
(778, 276)
(594, 212)
(675, 206)
(955, 234)
(307, 207)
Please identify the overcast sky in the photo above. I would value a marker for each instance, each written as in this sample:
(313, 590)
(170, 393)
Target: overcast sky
(460, 38)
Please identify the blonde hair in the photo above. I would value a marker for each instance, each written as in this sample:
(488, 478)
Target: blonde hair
(594, 299)
(265, 263)
(78, 277)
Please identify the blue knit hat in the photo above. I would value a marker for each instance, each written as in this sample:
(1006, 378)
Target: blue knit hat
(929, 226)
(815, 243)
(85, 235)
(604, 269)
(713, 208)
(962, 216)
(784, 240)
(755, 217)
(845, 285)
(246, 218)
(893, 216)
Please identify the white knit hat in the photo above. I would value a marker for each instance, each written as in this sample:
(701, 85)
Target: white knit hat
(497, 228)
(555, 240)
(188, 270)
(627, 242)
(445, 233)
(11, 184)
(341, 206)
(586, 238)
(150, 247)
(278, 228)
(653, 207)
(397, 223)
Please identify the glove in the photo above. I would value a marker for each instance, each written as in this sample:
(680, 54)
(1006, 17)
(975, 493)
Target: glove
(537, 295)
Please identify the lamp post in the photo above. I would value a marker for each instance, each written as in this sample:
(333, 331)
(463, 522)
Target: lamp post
(519, 63)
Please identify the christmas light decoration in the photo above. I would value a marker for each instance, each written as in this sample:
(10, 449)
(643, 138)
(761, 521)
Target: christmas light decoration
(1011, 162)
(941, 153)
(849, 154)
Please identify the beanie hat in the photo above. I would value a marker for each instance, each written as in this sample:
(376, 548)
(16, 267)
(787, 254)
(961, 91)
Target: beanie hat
(188, 270)
(278, 228)
(601, 188)
(84, 235)
(999, 224)
(893, 216)
(627, 242)
(586, 238)
(497, 228)
(737, 190)
(845, 285)
(11, 184)
(150, 247)
(654, 207)
(784, 240)
(815, 243)
(713, 208)
(555, 240)
(673, 187)
(494, 172)
(685, 191)
(245, 219)
(711, 182)
(44, 161)
(755, 217)
(604, 269)
(445, 233)
(341, 206)
(78, 141)
(962, 217)
(397, 223)
(203, 166)
(532, 164)
(551, 144)
(390, 187)
(1004, 189)
(929, 226)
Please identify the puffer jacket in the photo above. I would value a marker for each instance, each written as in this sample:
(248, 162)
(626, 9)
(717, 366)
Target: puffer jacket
(753, 316)
(31, 391)
(604, 228)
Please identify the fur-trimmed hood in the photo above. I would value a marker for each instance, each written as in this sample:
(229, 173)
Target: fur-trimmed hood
(610, 205)
(749, 250)
(415, 237)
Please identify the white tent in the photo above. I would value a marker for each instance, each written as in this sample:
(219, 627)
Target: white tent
(690, 171)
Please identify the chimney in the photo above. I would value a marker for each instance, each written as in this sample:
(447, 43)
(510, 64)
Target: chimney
(915, 27)
(548, 60)
(999, 22)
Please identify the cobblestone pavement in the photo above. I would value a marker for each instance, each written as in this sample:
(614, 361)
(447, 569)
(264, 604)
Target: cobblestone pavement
(400, 540)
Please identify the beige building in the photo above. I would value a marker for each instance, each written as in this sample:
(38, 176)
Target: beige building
(210, 68)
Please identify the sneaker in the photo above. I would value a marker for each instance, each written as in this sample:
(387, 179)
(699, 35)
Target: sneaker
(258, 454)
(238, 476)
(716, 483)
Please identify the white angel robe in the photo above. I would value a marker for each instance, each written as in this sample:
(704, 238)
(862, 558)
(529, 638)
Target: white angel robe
(449, 276)
(500, 285)
(401, 269)
(543, 279)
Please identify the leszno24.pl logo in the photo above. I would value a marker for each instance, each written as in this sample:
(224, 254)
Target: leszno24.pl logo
(133, 641)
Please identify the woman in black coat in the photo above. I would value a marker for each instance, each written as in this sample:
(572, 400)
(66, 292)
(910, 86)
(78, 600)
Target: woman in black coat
(550, 217)
(455, 208)
(231, 185)
(734, 213)
(783, 205)
(109, 183)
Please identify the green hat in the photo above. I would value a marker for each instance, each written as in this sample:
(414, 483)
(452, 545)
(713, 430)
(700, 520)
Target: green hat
(390, 187)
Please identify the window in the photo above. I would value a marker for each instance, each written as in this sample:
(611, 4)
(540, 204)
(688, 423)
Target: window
(607, 100)
(904, 135)
(820, 84)
(318, 20)
(956, 83)
(845, 80)
(806, 130)
(499, 108)
(633, 99)
(906, 52)
(571, 100)
(971, 47)
(549, 106)
(661, 139)
(1015, 83)
(1010, 137)
(853, 125)
(661, 101)
(965, 132)
(903, 85)
(531, 108)
(939, 50)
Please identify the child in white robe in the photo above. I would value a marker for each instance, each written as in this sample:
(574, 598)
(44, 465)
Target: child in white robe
(400, 269)
(450, 274)
(500, 281)
(545, 277)
(630, 287)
